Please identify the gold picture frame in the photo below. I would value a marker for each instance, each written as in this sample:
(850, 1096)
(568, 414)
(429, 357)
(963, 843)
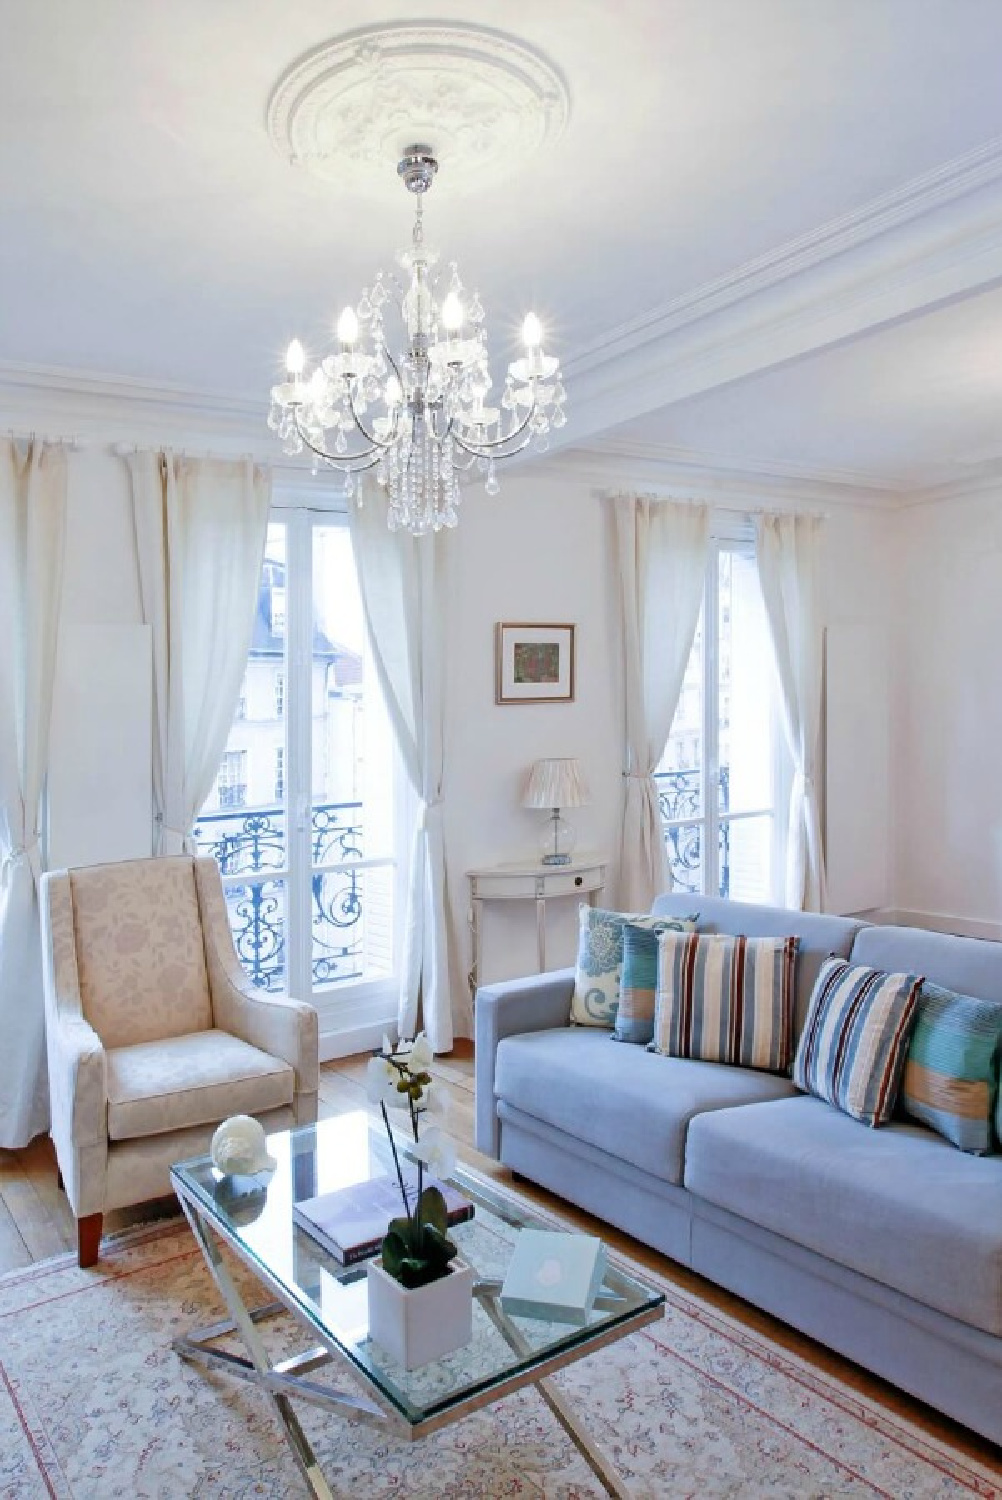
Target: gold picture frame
(533, 663)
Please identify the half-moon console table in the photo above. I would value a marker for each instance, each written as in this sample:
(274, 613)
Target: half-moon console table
(528, 880)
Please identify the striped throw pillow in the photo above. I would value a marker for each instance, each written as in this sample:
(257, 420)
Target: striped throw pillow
(853, 1046)
(599, 967)
(726, 999)
(951, 1070)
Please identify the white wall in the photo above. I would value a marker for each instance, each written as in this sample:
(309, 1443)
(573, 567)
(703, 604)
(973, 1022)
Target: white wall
(860, 576)
(541, 551)
(537, 553)
(948, 725)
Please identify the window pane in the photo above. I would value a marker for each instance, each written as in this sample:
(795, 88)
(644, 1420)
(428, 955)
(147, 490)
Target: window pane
(257, 920)
(683, 797)
(242, 823)
(685, 856)
(352, 777)
(352, 919)
(746, 853)
(745, 689)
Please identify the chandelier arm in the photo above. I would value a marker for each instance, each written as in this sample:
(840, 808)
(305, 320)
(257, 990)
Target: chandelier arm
(384, 445)
(486, 450)
(361, 461)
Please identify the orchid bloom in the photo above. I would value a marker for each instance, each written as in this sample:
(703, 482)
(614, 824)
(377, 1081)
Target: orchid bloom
(437, 1152)
(381, 1079)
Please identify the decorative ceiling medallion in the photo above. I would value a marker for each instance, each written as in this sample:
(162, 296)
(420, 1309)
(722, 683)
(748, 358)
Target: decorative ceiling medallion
(348, 110)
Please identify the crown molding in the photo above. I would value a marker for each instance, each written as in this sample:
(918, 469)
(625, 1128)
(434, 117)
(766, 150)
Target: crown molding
(92, 409)
(935, 240)
(984, 480)
(913, 200)
(690, 475)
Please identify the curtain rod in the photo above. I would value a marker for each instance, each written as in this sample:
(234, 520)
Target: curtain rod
(763, 508)
(60, 440)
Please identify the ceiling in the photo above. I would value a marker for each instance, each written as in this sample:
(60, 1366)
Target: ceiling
(769, 235)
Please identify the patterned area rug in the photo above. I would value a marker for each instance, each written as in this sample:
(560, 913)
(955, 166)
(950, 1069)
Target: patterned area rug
(94, 1403)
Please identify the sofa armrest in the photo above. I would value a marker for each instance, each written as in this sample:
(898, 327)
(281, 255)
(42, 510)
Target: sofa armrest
(541, 1002)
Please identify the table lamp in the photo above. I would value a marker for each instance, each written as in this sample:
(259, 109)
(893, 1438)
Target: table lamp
(556, 783)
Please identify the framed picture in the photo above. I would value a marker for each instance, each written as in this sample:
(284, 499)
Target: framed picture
(533, 663)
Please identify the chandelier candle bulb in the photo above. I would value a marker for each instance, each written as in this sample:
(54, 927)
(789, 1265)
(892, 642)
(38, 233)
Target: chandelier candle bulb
(347, 328)
(417, 416)
(295, 359)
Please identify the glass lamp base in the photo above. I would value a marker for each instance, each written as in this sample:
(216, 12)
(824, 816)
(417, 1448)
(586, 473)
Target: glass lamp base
(557, 841)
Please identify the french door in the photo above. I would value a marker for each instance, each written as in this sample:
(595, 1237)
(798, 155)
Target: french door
(308, 857)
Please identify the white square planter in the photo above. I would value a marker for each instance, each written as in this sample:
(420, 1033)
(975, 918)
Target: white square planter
(424, 1323)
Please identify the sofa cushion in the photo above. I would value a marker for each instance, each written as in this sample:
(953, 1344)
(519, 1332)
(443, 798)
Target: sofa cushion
(191, 1080)
(971, 966)
(726, 999)
(599, 965)
(951, 1071)
(899, 1205)
(854, 1042)
(623, 1100)
(820, 936)
(140, 953)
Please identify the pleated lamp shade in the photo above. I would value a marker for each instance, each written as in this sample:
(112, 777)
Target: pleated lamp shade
(555, 783)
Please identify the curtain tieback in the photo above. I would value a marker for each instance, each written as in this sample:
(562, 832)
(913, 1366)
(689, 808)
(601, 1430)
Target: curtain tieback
(432, 805)
(184, 834)
(637, 775)
(31, 851)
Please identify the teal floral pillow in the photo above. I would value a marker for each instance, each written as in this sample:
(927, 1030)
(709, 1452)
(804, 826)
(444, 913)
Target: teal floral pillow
(599, 966)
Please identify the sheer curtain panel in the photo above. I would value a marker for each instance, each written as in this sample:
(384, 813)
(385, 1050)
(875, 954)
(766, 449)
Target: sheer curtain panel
(404, 585)
(32, 540)
(200, 526)
(788, 549)
(661, 551)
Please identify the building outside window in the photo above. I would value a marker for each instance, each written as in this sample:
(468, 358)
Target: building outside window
(231, 782)
(308, 860)
(725, 769)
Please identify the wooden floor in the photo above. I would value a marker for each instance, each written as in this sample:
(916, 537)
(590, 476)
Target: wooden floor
(35, 1222)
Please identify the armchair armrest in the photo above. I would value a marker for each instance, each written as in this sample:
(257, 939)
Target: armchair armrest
(285, 1028)
(78, 1092)
(538, 1003)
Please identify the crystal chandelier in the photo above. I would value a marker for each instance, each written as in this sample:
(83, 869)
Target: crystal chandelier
(420, 418)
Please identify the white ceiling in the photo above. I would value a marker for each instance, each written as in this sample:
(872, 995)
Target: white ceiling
(702, 242)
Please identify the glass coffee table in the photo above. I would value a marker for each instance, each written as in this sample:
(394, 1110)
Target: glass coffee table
(253, 1217)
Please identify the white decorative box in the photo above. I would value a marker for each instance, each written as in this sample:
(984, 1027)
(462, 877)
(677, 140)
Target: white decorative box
(554, 1276)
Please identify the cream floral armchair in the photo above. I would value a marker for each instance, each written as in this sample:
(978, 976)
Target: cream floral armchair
(154, 1032)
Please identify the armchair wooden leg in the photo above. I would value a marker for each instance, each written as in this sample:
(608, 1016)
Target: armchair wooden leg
(89, 1239)
(59, 1179)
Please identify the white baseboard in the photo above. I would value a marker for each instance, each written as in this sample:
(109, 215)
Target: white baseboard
(933, 921)
(346, 1041)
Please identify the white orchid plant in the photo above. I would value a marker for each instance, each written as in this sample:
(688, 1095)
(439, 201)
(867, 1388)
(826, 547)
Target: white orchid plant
(416, 1248)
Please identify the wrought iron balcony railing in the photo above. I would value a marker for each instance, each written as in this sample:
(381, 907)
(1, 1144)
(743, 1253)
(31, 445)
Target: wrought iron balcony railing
(251, 843)
(681, 804)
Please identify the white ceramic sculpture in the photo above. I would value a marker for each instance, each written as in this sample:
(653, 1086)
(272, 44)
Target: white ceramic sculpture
(239, 1147)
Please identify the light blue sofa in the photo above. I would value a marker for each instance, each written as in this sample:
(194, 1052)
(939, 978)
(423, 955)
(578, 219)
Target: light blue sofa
(886, 1245)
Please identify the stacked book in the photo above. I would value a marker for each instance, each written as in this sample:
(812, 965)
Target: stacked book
(351, 1221)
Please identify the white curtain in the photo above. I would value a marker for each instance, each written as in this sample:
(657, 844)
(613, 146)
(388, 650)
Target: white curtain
(201, 527)
(788, 549)
(662, 548)
(404, 585)
(32, 539)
